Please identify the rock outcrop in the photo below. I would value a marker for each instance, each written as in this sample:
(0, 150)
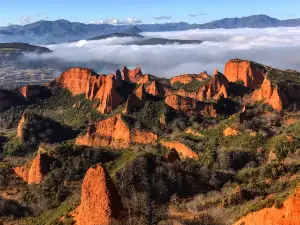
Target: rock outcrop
(114, 132)
(288, 214)
(40, 167)
(229, 131)
(100, 87)
(158, 89)
(33, 92)
(187, 78)
(22, 172)
(34, 171)
(270, 94)
(252, 74)
(215, 88)
(135, 76)
(136, 100)
(100, 200)
(183, 150)
(191, 106)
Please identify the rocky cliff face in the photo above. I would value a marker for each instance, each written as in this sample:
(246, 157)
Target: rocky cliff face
(182, 149)
(8, 99)
(99, 87)
(187, 78)
(252, 74)
(288, 214)
(136, 100)
(36, 170)
(158, 89)
(32, 92)
(135, 76)
(271, 95)
(114, 132)
(214, 89)
(100, 201)
(184, 104)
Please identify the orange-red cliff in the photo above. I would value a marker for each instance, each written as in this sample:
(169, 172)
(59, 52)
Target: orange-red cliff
(114, 132)
(288, 214)
(100, 87)
(271, 95)
(250, 73)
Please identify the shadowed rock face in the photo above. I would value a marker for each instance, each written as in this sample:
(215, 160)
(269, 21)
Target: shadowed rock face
(114, 132)
(100, 201)
(135, 76)
(250, 73)
(158, 89)
(288, 214)
(136, 100)
(9, 99)
(32, 92)
(36, 170)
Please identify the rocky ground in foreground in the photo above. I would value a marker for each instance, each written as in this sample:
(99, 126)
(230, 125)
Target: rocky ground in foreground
(132, 148)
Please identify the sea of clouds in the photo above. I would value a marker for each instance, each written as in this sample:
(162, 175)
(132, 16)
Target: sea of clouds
(277, 47)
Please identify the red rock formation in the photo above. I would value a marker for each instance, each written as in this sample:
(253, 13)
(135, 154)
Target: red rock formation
(187, 78)
(134, 76)
(34, 91)
(34, 171)
(230, 132)
(186, 105)
(100, 200)
(271, 95)
(158, 89)
(40, 167)
(214, 89)
(288, 214)
(136, 100)
(22, 171)
(114, 132)
(250, 73)
(86, 81)
(181, 148)
(20, 126)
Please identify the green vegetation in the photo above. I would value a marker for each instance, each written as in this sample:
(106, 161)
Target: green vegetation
(194, 85)
(62, 107)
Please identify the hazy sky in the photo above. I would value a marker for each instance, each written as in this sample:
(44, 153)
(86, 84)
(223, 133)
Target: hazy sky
(146, 11)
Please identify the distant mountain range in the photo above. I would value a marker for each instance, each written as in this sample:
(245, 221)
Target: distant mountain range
(44, 32)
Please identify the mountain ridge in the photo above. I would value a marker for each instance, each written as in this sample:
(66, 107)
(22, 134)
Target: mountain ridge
(44, 32)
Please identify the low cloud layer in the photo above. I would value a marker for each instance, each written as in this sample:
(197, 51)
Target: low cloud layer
(278, 47)
(115, 21)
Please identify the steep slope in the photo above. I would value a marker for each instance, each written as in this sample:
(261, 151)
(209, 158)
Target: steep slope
(288, 214)
(95, 87)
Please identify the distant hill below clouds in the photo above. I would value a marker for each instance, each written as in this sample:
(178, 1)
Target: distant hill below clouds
(44, 32)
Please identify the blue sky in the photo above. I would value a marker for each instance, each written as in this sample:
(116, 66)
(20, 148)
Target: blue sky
(146, 11)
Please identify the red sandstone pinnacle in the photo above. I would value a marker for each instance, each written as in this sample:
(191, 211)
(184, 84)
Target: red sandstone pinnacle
(35, 171)
(288, 214)
(270, 95)
(100, 200)
(250, 73)
(136, 100)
